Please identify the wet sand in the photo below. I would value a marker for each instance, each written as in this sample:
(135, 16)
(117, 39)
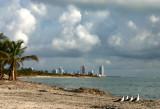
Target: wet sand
(32, 95)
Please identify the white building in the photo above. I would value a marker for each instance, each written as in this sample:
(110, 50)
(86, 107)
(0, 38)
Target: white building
(82, 70)
(101, 70)
(60, 70)
(55, 71)
(92, 71)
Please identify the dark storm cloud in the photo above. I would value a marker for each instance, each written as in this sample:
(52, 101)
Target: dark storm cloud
(122, 4)
(47, 51)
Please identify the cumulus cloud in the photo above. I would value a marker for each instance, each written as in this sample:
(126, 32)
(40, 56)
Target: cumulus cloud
(97, 16)
(26, 20)
(140, 41)
(39, 8)
(71, 17)
(74, 34)
(102, 14)
(21, 35)
(23, 25)
(132, 25)
(107, 62)
(147, 40)
(144, 44)
(103, 61)
(20, 23)
(115, 41)
(154, 19)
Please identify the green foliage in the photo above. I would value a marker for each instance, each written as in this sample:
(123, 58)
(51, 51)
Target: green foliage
(30, 72)
(11, 53)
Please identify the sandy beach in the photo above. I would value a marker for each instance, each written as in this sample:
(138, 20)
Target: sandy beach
(32, 95)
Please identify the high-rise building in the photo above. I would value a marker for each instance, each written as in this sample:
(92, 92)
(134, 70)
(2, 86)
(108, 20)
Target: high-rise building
(92, 71)
(82, 70)
(60, 70)
(101, 70)
(55, 71)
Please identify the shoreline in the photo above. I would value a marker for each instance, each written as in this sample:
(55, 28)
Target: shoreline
(59, 77)
(23, 94)
(68, 88)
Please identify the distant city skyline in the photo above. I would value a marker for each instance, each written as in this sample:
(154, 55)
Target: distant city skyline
(82, 70)
(121, 35)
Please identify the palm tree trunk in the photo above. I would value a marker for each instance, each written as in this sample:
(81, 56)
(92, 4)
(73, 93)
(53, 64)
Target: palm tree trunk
(1, 71)
(15, 74)
(10, 75)
(12, 72)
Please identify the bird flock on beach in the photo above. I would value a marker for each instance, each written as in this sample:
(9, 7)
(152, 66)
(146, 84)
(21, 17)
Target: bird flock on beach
(127, 98)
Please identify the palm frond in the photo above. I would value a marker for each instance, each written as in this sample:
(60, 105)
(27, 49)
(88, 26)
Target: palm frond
(32, 57)
(21, 51)
(4, 54)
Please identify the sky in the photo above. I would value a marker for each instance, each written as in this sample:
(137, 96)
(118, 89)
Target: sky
(121, 35)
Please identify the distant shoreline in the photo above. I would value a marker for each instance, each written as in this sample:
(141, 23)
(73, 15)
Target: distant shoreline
(59, 77)
(63, 76)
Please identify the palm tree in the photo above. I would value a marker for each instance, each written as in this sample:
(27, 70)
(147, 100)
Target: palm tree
(15, 51)
(4, 57)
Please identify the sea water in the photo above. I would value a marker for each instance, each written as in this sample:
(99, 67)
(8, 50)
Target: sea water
(147, 88)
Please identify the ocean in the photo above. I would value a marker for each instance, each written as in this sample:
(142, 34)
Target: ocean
(147, 88)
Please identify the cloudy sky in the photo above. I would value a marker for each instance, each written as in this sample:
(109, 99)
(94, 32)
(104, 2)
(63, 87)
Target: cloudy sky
(122, 35)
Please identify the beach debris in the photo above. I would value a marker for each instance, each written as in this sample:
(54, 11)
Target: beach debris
(104, 107)
(120, 99)
(42, 91)
(9, 88)
(5, 77)
(88, 90)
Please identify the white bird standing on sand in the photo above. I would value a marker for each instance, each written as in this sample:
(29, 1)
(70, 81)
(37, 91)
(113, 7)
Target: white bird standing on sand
(131, 98)
(120, 100)
(126, 98)
(136, 98)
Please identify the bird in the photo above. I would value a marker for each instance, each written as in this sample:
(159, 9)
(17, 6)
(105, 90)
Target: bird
(129, 98)
(126, 98)
(136, 98)
(120, 100)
